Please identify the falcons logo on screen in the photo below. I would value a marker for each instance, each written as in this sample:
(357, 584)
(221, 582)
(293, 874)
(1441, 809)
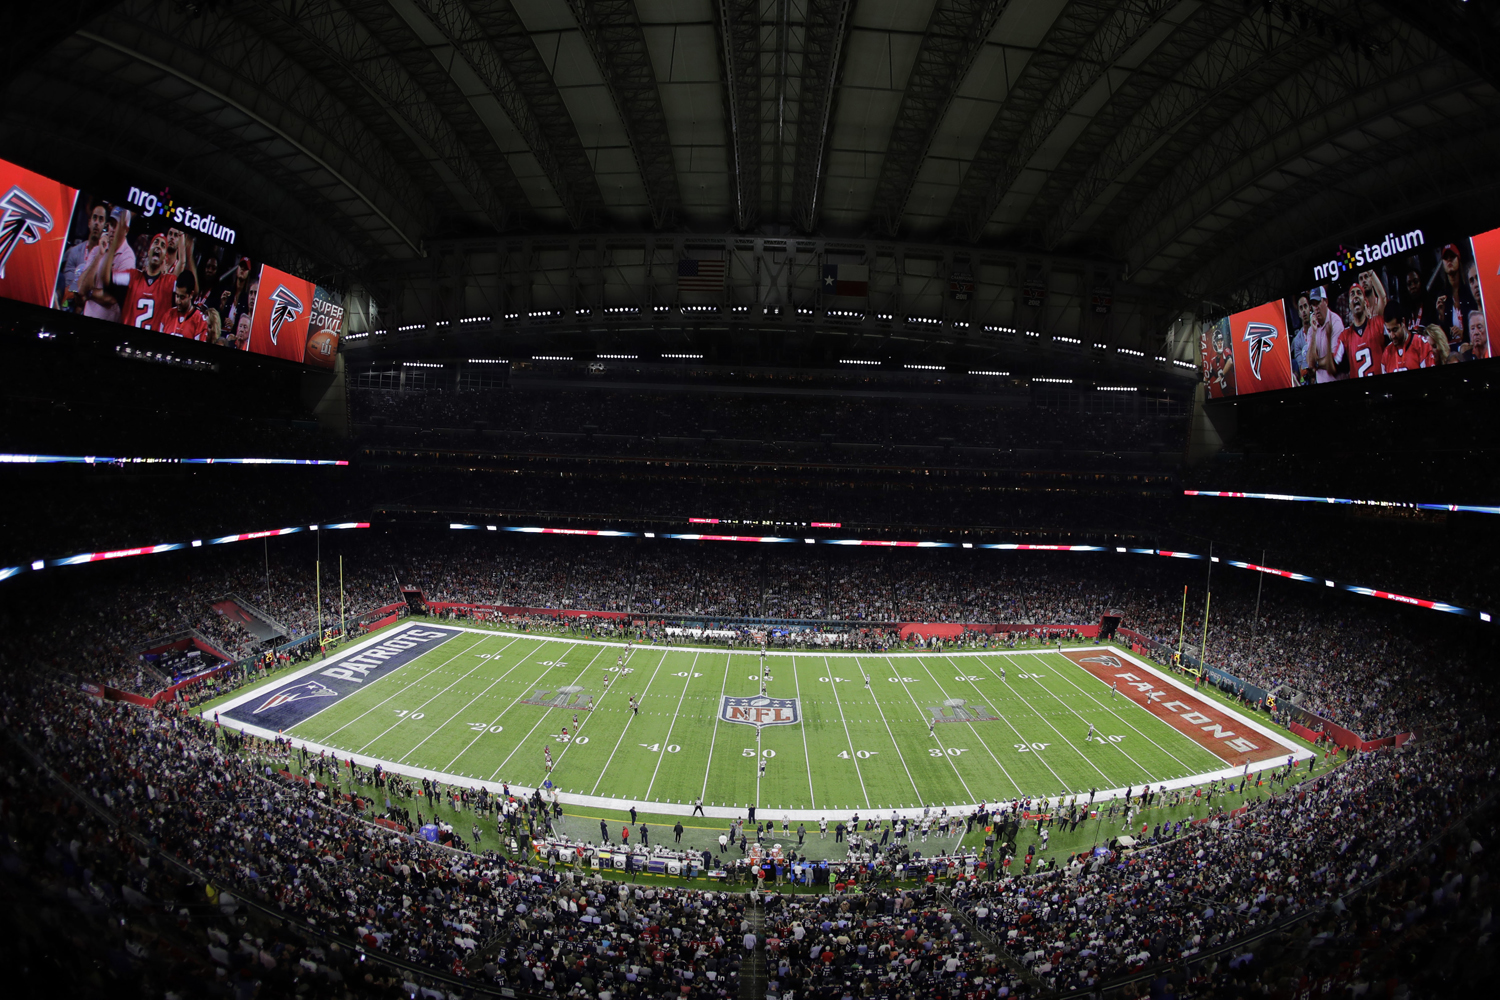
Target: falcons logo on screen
(1258, 339)
(22, 220)
(285, 307)
(299, 692)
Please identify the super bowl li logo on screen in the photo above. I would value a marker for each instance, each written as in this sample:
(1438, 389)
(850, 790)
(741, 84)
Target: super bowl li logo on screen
(760, 711)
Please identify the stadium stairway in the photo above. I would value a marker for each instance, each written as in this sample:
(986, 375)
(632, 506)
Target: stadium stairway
(753, 980)
(257, 622)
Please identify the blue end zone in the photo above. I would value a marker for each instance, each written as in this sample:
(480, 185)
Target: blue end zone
(283, 706)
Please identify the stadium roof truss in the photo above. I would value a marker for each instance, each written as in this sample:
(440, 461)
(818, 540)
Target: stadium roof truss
(1172, 152)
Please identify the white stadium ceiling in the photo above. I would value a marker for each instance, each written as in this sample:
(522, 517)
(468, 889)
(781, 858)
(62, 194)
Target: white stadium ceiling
(1193, 147)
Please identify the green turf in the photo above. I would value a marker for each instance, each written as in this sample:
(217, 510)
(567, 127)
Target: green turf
(857, 747)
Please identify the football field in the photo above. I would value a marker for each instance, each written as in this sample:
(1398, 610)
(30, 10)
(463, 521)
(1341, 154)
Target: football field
(838, 732)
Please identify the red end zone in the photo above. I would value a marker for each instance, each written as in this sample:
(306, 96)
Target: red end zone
(1218, 732)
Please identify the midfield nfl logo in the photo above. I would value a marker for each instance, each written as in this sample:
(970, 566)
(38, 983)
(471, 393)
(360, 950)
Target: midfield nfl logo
(760, 711)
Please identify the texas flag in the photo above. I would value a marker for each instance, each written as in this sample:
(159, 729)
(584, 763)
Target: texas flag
(846, 279)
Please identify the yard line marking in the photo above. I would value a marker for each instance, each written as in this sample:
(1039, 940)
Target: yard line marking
(853, 755)
(424, 704)
(951, 762)
(1035, 711)
(603, 770)
(802, 725)
(1127, 722)
(625, 657)
(665, 743)
(899, 755)
(329, 738)
(472, 700)
(546, 712)
(497, 718)
(977, 734)
(724, 686)
(1006, 719)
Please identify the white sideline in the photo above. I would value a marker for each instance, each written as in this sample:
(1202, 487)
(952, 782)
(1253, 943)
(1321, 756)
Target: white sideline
(730, 812)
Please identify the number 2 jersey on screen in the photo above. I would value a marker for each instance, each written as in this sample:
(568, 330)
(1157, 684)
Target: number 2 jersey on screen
(170, 269)
(1406, 304)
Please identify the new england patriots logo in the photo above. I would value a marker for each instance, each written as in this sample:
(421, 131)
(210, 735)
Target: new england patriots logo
(297, 692)
(1259, 337)
(1105, 660)
(22, 220)
(285, 307)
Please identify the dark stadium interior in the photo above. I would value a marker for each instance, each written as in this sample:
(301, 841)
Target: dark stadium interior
(983, 275)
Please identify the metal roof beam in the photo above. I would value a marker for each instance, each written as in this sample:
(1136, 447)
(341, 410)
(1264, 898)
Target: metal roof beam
(739, 38)
(347, 46)
(1079, 50)
(1235, 62)
(613, 32)
(826, 29)
(1325, 97)
(496, 45)
(955, 33)
(225, 60)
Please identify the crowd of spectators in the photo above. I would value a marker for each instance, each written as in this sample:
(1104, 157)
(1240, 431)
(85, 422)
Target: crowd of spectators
(161, 804)
(1107, 916)
(1354, 662)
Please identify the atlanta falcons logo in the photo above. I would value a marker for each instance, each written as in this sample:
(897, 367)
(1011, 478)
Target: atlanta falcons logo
(1258, 339)
(285, 307)
(1106, 660)
(22, 220)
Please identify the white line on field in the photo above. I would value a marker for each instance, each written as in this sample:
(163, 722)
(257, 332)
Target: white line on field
(329, 738)
(628, 720)
(1061, 784)
(480, 735)
(546, 713)
(472, 700)
(899, 755)
(1127, 722)
(1035, 711)
(853, 754)
(718, 708)
(667, 742)
(977, 734)
(812, 796)
(946, 755)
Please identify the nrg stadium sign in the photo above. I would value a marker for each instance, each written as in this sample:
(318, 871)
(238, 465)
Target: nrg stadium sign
(1347, 259)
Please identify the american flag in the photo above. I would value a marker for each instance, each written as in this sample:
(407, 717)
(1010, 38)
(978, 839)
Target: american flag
(700, 275)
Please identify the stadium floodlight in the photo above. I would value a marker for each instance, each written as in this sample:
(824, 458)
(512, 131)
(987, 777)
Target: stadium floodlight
(856, 361)
(996, 374)
(1059, 381)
